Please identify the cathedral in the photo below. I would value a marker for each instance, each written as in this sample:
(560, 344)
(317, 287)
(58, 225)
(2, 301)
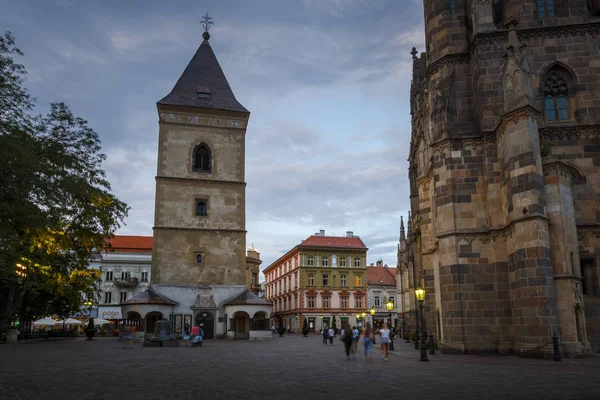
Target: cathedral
(504, 229)
(201, 273)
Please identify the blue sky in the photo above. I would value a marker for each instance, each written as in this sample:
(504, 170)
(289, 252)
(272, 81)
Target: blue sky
(327, 83)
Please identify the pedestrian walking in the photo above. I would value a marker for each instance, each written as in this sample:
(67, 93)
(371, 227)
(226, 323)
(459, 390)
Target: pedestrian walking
(367, 341)
(355, 336)
(325, 334)
(128, 337)
(331, 335)
(186, 335)
(384, 332)
(198, 334)
(347, 339)
(288, 330)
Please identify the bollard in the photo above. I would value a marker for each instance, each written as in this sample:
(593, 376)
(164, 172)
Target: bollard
(432, 348)
(556, 347)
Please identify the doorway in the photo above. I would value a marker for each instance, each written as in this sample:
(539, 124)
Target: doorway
(242, 320)
(206, 318)
(151, 319)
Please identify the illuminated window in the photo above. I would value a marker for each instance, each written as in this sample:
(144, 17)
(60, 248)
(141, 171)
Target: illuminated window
(357, 280)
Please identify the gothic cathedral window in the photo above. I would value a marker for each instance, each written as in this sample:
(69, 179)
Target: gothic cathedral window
(452, 6)
(545, 8)
(202, 158)
(556, 97)
(498, 12)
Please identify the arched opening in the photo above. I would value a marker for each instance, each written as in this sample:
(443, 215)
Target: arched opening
(133, 319)
(208, 324)
(260, 322)
(202, 158)
(151, 319)
(241, 325)
(558, 89)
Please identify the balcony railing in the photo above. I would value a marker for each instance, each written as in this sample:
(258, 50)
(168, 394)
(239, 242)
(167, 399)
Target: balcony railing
(126, 282)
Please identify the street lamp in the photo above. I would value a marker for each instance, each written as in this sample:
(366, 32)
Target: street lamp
(420, 294)
(357, 319)
(364, 315)
(390, 306)
(372, 311)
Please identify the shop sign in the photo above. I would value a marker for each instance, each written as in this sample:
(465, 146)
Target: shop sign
(110, 313)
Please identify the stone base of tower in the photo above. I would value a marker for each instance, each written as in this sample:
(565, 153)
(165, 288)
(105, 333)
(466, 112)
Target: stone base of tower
(231, 312)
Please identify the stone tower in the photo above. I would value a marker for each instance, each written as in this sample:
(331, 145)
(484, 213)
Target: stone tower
(505, 106)
(199, 223)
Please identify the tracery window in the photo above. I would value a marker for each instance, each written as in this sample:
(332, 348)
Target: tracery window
(452, 6)
(556, 98)
(545, 8)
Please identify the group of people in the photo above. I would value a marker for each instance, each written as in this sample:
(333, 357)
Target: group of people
(193, 336)
(351, 336)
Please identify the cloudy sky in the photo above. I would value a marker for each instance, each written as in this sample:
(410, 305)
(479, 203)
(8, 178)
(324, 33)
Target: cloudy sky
(327, 83)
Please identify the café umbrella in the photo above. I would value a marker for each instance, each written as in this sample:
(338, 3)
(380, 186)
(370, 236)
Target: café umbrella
(99, 321)
(69, 321)
(44, 321)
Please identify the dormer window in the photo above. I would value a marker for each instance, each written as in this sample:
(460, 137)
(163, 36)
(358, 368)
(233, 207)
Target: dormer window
(203, 92)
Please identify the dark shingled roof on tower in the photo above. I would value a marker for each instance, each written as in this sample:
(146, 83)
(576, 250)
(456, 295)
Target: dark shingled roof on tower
(149, 296)
(247, 298)
(203, 75)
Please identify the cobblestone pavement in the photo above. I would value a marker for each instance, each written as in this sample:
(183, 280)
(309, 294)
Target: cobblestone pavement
(291, 367)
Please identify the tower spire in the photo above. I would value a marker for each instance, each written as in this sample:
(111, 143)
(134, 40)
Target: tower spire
(402, 236)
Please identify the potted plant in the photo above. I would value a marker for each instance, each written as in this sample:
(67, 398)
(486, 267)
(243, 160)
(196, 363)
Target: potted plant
(281, 329)
(91, 330)
(305, 328)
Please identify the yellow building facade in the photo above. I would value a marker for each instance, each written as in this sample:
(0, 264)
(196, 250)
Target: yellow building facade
(321, 279)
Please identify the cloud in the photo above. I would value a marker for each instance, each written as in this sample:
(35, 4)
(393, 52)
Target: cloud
(327, 82)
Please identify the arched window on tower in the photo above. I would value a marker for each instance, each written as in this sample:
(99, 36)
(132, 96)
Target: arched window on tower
(545, 8)
(202, 158)
(558, 90)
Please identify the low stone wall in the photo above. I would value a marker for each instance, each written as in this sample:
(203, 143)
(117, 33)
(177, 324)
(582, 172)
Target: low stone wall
(261, 335)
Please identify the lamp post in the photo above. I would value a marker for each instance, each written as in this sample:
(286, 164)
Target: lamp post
(372, 311)
(364, 315)
(420, 293)
(390, 306)
(357, 319)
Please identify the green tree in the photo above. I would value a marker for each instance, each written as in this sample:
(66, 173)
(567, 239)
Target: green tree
(333, 323)
(55, 201)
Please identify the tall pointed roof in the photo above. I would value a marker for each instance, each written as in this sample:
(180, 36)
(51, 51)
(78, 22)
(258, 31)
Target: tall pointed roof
(402, 236)
(203, 84)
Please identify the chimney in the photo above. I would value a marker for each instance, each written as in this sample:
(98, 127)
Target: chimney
(322, 232)
(349, 234)
(380, 263)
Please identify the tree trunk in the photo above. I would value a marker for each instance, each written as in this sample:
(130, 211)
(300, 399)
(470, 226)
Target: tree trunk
(7, 305)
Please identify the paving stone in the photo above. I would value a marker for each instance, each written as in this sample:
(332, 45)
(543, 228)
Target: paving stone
(290, 367)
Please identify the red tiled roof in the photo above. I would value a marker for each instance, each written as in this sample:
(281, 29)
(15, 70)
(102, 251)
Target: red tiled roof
(131, 244)
(377, 274)
(333, 241)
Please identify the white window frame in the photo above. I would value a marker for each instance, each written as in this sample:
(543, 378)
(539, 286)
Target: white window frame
(311, 261)
(343, 280)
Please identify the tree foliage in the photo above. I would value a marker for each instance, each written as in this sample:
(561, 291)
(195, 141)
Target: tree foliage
(55, 201)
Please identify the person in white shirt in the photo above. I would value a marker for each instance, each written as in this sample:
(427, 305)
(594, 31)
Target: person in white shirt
(384, 332)
(331, 335)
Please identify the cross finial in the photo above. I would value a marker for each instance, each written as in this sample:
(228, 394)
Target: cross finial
(414, 52)
(206, 22)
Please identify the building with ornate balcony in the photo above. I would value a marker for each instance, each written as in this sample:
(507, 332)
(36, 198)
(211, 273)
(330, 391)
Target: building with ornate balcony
(382, 289)
(320, 279)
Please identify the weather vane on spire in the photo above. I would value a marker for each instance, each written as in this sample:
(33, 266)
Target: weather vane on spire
(206, 22)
